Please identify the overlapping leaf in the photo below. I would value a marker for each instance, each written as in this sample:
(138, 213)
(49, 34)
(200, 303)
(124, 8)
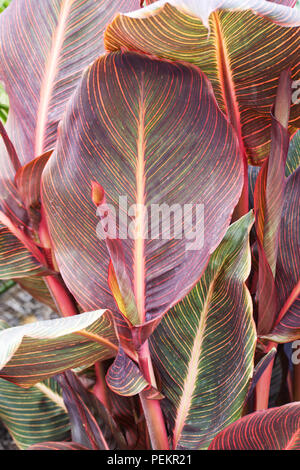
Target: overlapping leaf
(204, 346)
(15, 259)
(241, 46)
(28, 182)
(58, 446)
(124, 376)
(288, 264)
(34, 415)
(268, 206)
(34, 352)
(273, 429)
(42, 55)
(149, 131)
(91, 424)
(293, 159)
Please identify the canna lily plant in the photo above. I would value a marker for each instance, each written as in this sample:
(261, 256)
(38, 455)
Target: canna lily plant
(149, 193)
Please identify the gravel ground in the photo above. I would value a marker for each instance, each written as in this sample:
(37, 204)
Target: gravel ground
(16, 308)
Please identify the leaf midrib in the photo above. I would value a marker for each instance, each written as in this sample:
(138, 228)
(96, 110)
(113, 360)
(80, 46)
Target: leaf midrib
(49, 76)
(192, 370)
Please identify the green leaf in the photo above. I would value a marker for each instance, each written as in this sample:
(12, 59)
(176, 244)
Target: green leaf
(204, 347)
(293, 159)
(37, 287)
(36, 351)
(124, 377)
(34, 415)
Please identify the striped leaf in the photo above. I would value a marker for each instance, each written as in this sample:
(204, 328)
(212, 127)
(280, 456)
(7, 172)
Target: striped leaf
(124, 377)
(28, 182)
(288, 3)
(33, 415)
(36, 351)
(293, 159)
(273, 429)
(148, 131)
(58, 446)
(15, 259)
(204, 347)
(292, 163)
(241, 46)
(43, 53)
(288, 266)
(91, 424)
(268, 205)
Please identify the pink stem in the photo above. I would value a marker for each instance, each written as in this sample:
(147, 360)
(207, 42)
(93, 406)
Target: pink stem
(152, 409)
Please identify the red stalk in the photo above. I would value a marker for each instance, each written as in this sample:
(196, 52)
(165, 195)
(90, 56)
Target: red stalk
(61, 296)
(152, 409)
(100, 388)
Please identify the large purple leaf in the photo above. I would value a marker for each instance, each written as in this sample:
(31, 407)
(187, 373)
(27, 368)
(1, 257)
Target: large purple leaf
(150, 131)
(44, 47)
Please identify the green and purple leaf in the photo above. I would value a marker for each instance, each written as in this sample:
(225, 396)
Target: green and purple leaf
(15, 259)
(58, 345)
(34, 415)
(288, 266)
(91, 424)
(204, 347)
(241, 46)
(149, 131)
(273, 429)
(124, 377)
